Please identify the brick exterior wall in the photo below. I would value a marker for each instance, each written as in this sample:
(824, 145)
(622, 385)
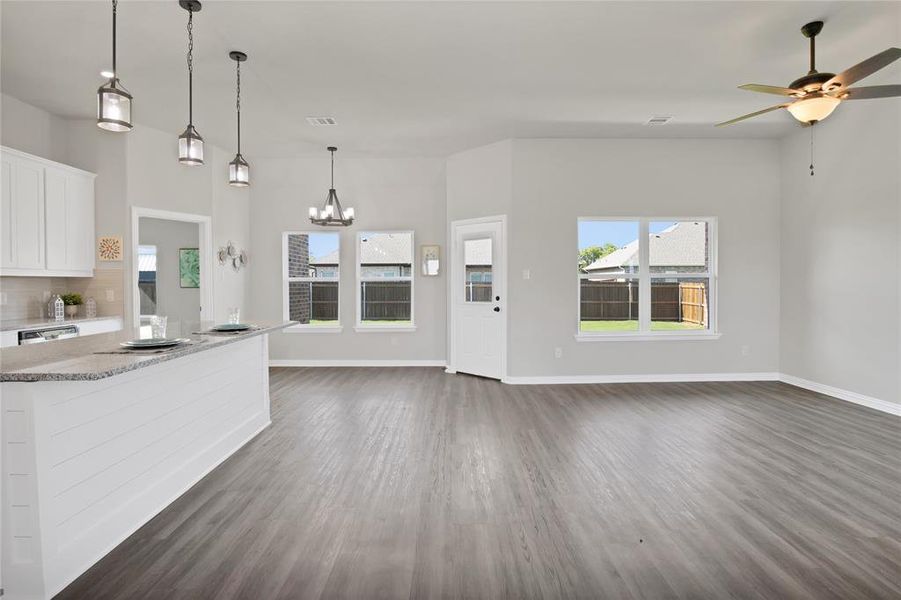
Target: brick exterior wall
(299, 297)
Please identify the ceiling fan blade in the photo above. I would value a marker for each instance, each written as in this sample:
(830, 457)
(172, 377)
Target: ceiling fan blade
(873, 91)
(770, 89)
(863, 69)
(753, 114)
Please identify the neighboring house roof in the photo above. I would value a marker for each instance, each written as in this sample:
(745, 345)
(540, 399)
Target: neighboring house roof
(377, 249)
(681, 245)
(477, 252)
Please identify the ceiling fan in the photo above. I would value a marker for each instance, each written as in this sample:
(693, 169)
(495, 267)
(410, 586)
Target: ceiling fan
(816, 95)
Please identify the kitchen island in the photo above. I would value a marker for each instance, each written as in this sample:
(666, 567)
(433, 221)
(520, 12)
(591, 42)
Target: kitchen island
(95, 442)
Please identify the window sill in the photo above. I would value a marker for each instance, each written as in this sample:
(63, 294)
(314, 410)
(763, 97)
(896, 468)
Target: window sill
(385, 329)
(313, 329)
(645, 337)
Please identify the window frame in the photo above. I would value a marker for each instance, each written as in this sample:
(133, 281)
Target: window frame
(286, 280)
(645, 277)
(361, 327)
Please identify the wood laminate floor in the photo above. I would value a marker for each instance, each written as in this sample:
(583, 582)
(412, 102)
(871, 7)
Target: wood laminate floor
(410, 483)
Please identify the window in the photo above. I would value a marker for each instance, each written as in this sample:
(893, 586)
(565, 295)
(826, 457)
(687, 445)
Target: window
(653, 277)
(477, 260)
(147, 279)
(311, 268)
(385, 280)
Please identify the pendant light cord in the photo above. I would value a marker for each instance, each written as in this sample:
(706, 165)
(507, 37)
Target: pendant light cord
(333, 169)
(115, 6)
(811, 150)
(190, 67)
(238, 104)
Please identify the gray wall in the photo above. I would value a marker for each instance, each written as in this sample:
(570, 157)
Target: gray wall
(557, 181)
(181, 305)
(387, 194)
(840, 252)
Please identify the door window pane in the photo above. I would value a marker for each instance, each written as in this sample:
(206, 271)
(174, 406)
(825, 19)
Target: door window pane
(679, 304)
(478, 262)
(678, 247)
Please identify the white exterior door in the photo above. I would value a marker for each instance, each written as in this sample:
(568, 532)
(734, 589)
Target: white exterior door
(479, 298)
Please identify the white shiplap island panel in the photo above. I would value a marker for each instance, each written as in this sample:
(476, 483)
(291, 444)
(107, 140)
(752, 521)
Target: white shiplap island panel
(87, 462)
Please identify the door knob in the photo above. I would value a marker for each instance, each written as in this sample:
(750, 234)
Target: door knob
(497, 309)
(497, 297)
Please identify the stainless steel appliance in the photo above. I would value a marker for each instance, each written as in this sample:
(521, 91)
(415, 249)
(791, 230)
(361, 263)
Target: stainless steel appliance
(48, 334)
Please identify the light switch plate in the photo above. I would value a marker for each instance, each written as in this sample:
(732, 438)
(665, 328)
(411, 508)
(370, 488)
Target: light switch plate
(526, 274)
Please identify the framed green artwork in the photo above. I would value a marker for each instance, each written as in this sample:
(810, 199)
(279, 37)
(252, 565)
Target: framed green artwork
(189, 267)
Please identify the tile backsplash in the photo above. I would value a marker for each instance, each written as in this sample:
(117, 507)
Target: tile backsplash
(27, 297)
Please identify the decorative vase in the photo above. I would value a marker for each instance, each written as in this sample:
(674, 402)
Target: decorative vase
(71, 310)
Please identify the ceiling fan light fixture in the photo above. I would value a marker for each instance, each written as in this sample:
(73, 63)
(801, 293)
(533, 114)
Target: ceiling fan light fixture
(814, 108)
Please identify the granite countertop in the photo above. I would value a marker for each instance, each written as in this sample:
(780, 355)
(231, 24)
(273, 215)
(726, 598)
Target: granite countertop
(47, 323)
(75, 359)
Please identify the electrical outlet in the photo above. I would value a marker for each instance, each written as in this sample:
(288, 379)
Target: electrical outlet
(745, 350)
(558, 352)
(3, 298)
(110, 295)
(526, 274)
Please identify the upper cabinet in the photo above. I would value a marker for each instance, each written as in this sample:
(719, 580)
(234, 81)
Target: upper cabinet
(46, 218)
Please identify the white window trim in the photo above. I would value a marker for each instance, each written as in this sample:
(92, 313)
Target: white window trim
(301, 327)
(644, 278)
(361, 327)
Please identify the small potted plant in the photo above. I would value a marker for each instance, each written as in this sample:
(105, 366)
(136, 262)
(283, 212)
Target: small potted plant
(72, 302)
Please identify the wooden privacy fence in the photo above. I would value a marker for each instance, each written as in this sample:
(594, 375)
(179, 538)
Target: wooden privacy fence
(618, 301)
(385, 300)
(478, 292)
(324, 301)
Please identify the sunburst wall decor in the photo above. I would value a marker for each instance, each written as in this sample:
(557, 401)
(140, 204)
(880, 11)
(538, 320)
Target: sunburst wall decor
(109, 248)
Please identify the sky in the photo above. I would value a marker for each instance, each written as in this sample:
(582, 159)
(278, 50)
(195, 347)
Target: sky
(618, 233)
(323, 243)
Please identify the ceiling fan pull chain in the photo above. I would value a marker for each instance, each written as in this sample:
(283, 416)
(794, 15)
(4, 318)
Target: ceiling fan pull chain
(811, 150)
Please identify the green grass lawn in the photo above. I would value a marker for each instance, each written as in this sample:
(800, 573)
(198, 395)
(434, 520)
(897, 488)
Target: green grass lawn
(592, 326)
(319, 323)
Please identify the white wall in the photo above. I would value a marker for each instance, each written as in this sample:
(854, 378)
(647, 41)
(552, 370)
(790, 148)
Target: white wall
(840, 251)
(403, 193)
(30, 129)
(554, 182)
(180, 305)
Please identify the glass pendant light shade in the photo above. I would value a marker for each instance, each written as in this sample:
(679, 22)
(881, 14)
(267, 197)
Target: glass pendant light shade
(238, 169)
(113, 107)
(239, 172)
(190, 147)
(113, 100)
(190, 144)
(813, 109)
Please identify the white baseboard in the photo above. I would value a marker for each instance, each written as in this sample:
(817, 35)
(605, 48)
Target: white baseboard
(893, 408)
(276, 362)
(641, 378)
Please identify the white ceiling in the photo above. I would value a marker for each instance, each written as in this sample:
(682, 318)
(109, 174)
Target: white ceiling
(432, 78)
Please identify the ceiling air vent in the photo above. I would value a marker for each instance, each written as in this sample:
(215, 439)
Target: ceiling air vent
(321, 121)
(653, 121)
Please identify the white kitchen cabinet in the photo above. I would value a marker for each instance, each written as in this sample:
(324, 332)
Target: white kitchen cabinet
(69, 201)
(23, 213)
(46, 218)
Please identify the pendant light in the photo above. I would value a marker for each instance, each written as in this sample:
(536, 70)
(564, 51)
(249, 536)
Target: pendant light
(113, 100)
(238, 169)
(332, 214)
(190, 144)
